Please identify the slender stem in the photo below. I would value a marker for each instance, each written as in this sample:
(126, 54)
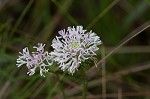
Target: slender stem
(63, 93)
(103, 75)
(84, 84)
(55, 86)
(84, 93)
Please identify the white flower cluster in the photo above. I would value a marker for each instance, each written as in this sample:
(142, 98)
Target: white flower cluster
(72, 47)
(37, 59)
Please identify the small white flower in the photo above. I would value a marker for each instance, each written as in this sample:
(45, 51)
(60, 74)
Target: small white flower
(40, 59)
(74, 46)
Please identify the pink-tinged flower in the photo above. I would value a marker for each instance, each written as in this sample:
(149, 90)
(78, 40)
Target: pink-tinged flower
(40, 59)
(74, 46)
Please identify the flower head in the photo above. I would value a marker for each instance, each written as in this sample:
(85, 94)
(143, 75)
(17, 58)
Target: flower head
(40, 59)
(74, 46)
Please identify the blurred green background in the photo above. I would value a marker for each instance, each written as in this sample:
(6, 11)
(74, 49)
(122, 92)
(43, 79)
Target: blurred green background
(28, 22)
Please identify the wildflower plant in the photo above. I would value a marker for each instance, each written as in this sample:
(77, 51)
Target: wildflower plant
(74, 46)
(40, 59)
(71, 48)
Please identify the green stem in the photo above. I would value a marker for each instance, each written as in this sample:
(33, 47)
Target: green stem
(62, 91)
(84, 93)
(55, 86)
(84, 84)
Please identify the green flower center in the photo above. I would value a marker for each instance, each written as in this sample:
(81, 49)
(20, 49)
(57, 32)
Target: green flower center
(75, 44)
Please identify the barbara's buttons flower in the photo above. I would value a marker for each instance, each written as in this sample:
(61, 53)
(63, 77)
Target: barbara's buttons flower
(73, 46)
(40, 59)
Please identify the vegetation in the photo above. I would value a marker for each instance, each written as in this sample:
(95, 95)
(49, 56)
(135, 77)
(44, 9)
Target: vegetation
(123, 60)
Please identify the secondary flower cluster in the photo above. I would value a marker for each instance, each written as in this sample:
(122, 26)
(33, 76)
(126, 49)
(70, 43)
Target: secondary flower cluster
(72, 47)
(37, 59)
